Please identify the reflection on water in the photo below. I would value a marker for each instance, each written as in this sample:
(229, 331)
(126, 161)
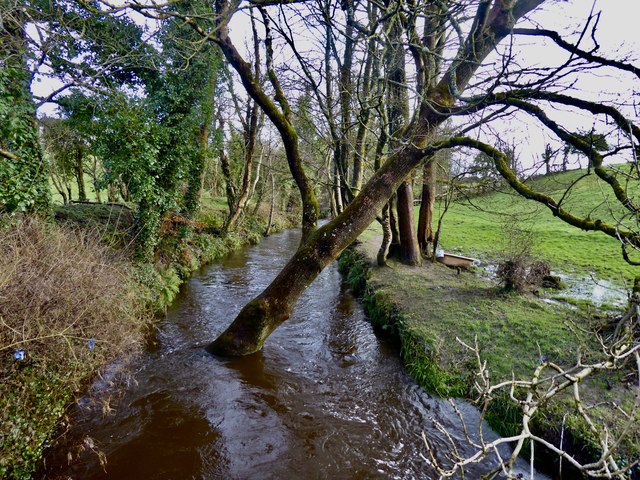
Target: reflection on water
(324, 399)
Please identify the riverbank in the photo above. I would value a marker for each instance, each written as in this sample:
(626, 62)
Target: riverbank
(72, 299)
(432, 309)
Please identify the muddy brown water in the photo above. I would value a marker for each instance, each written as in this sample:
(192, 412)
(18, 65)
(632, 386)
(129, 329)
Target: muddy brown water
(325, 398)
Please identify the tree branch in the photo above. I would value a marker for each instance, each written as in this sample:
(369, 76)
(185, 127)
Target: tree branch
(502, 165)
(553, 35)
(8, 155)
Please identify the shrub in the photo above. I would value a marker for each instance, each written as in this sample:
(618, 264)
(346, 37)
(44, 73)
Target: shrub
(519, 270)
(67, 306)
(520, 274)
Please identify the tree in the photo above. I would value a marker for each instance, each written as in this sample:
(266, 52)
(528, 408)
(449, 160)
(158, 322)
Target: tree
(548, 156)
(68, 151)
(23, 173)
(251, 122)
(483, 78)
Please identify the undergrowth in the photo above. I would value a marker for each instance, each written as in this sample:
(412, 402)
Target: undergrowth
(68, 304)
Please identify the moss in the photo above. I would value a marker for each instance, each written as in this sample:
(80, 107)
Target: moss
(428, 308)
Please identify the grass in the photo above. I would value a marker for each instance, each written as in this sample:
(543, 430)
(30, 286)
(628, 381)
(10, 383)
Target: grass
(513, 331)
(476, 227)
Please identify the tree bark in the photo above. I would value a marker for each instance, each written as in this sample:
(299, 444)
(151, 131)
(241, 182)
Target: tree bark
(394, 245)
(274, 305)
(346, 92)
(281, 118)
(409, 250)
(250, 136)
(79, 167)
(273, 205)
(398, 115)
(428, 198)
(383, 251)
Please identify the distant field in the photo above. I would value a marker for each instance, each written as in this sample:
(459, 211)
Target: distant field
(477, 226)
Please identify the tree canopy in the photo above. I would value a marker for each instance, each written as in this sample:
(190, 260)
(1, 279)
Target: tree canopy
(358, 93)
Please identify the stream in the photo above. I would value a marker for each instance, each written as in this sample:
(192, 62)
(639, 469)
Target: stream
(325, 398)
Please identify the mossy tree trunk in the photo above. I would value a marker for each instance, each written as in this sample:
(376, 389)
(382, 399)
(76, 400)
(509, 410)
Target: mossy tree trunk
(24, 183)
(278, 111)
(79, 167)
(428, 198)
(262, 315)
(409, 249)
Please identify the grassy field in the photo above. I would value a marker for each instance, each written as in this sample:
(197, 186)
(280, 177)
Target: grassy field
(479, 227)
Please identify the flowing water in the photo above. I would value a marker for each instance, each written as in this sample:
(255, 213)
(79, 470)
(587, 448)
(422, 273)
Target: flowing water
(325, 398)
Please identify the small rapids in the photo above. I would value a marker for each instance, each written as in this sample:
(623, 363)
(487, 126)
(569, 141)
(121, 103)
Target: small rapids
(325, 398)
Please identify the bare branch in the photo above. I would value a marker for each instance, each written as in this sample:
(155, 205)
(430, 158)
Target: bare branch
(553, 35)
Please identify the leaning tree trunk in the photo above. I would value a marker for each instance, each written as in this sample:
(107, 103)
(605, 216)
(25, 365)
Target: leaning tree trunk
(262, 315)
(274, 305)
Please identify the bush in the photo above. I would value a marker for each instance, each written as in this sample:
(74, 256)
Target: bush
(519, 271)
(67, 306)
(521, 274)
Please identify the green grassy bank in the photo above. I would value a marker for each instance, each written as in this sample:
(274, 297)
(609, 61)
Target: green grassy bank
(429, 308)
(72, 300)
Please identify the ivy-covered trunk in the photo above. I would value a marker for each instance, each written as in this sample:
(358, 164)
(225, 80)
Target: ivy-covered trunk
(24, 182)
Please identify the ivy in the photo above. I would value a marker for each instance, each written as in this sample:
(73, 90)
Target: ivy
(23, 176)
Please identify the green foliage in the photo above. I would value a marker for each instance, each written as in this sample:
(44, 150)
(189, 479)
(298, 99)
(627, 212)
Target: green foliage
(421, 356)
(105, 50)
(112, 224)
(504, 416)
(160, 285)
(23, 178)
